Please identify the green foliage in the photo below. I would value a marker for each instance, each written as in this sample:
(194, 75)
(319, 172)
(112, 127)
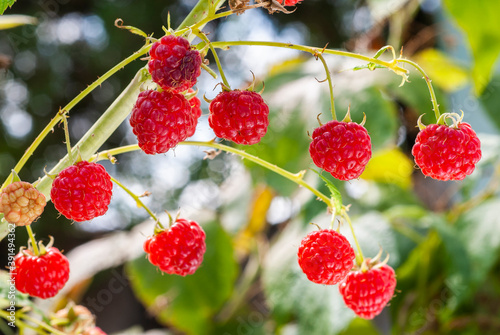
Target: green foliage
(189, 303)
(479, 21)
(4, 4)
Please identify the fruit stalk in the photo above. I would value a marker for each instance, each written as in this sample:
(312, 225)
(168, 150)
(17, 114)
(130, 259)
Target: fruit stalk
(330, 85)
(33, 240)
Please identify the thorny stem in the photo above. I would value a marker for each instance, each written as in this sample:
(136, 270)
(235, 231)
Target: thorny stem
(216, 58)
(329, 78)
(66, 136)
(392, 65)
(138, 201)
(295, 177)
(70, 105)
(359, 254)
(435, 105)
(33, 240)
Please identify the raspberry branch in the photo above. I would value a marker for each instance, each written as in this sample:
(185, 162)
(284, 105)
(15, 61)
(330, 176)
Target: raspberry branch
(359, 254)
(66, 135)
(202, 36)
(330, 85)
(33, 240)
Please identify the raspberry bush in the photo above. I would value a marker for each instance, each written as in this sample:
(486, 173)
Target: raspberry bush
(236, 161)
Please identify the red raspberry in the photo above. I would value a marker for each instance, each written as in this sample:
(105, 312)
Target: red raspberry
(447, 153)
(179, 249)
(341, 148)
(161, 120)
(94, 331)
(195, 104)
(174, 65)
(325, 256)
(291, 2)
(367, 292)
(82, 191)
(239, 116)
(21, 203)
(40, 276)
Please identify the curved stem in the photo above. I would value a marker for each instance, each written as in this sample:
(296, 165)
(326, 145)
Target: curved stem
(138, 201)
(295, 177)
(359, 254)
(392, 65)
(33, 240)
(202, 36)
(435, 105)
(329, 78)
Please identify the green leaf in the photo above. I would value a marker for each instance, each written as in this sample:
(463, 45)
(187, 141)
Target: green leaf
(361, 326)
(479, 21)
(334, 192)
(479, 231)
(4, 4)
(189, 303)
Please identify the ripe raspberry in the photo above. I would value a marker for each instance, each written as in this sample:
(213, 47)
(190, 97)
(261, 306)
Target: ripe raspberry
(94, 331)
(341, 148)
(239, 116)
(82, 191)
(291, 2)
(325, 256)
(447, 153)
(21, 203)
(195, 104)
(160, 120)
(40, 276)
(367, 293)
(174, 65)
(179, 249)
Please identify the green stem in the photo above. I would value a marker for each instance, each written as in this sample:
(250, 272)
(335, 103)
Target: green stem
(435, 105)
(69, 106)
(359, 255)
(295, 177)
(216, 58)
(66, 136)
(42, 325)
(33, 240)
(392, 65)
(138, 201)
(329, 78)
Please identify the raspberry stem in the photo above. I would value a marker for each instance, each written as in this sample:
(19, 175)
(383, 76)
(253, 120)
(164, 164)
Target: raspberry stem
(330, 85)
(33, 240)
(359, 255)
(202, 36)
(41, 324)
(295, 177)
(138, 201)
(66, 135)
(435, 105)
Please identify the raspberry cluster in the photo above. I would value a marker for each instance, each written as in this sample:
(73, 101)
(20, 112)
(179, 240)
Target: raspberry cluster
(179, 249)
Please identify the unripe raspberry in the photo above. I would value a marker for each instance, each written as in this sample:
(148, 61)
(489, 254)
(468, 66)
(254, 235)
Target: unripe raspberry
(447, 153)
(82, 191)
(161, 120)
(341, 148)
(174, 65)
(72, 319)
(21, 203)
(325, 256)
(239, 116)
(40, 276)
(367, 292)
(179, 249)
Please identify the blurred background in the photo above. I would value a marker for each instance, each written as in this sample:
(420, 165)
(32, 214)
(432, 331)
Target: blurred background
(443, 237)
